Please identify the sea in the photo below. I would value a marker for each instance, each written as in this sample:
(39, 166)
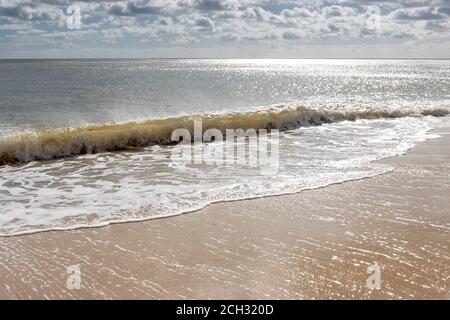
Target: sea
(87, 143)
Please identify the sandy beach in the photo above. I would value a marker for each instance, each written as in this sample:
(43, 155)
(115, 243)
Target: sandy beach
(225, 150)
(315, 244)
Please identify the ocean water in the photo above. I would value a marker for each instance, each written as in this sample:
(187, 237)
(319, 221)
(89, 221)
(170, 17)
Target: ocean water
(87, 142)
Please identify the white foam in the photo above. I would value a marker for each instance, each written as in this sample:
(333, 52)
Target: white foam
(96, 190)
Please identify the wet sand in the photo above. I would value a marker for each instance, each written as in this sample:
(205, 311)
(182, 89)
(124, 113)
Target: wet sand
(312, 245)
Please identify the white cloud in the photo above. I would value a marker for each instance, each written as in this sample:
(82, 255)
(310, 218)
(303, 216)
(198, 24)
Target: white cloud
(218, 23)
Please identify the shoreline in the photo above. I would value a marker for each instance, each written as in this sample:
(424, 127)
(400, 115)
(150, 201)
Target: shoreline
(300, 245)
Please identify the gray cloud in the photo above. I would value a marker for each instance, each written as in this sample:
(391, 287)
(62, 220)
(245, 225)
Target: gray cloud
(215, 5)
(31, 11)
(291, 35)
(337, 11)
(418, 14)
(135, 8)
(445, 11)
(204, 23)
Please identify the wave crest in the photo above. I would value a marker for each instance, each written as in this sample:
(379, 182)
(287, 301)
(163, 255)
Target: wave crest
(61, 143)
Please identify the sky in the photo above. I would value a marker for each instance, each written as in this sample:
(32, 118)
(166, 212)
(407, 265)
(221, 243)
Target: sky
(224, 29)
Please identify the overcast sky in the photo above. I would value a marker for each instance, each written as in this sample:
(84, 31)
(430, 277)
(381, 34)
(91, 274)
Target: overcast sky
(225, 28)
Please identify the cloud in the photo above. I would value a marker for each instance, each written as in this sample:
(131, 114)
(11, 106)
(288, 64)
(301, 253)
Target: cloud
(31, 11)
(204, 23)
(119, 9)
(155, 23)
(445, 10)
(337, 11)
(291, 35)
(144, 7)
(418, 14)
(215, 5)
(298, 12)
(135, 8)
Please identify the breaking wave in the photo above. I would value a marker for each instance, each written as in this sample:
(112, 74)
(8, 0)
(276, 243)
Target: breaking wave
(69, 142)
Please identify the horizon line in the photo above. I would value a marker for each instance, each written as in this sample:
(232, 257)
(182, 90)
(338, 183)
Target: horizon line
(222, 58)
